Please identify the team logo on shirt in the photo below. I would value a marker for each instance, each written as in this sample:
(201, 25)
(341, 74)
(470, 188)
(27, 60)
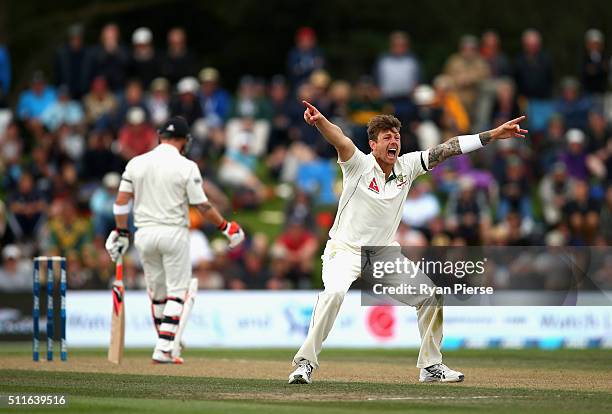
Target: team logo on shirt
(373, 186)
(401, 179)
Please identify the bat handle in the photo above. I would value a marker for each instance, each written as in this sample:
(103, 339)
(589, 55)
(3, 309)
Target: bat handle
(119, 269)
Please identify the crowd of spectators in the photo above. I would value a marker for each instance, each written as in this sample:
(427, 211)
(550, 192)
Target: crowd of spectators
(65, 142)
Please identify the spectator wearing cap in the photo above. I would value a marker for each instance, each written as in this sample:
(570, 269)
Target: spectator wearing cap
(109, 59)
(99, 104)
(137, 136)
(178, 61)
(467, 69)
(27, 207)
(101, 205)
(69, 63)
(533, 68)
(214, 100)
(144, 62)
(490, 50)
(34, 101)
(595, 63)
(5, 73)
(64, 111)
(574, 157)
(15, 273)
(158, 101)
(555, 191)
(305, 57)
(186, 104)
(573, 107)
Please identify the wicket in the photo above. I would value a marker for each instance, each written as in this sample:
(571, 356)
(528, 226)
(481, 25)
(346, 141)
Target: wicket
(49, 260)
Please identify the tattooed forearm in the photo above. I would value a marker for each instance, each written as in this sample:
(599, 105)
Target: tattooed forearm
(451, 147)
(443, 151)
(485, 137)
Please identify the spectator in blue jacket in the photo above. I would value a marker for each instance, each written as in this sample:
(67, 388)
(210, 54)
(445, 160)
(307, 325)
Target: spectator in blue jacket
(215, 101)
(34, 101)
(572, 106)
(64, 111)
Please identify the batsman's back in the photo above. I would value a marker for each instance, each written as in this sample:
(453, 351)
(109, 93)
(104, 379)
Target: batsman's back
(163, 183)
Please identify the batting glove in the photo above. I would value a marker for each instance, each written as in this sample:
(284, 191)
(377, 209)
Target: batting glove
(233, 232)
(117, 243)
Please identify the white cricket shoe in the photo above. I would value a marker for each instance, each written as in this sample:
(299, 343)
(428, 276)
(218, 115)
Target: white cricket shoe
(302, 374)
(441, 373)
(162, 357)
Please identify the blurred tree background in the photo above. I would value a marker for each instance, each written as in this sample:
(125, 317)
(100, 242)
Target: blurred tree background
(247, 36)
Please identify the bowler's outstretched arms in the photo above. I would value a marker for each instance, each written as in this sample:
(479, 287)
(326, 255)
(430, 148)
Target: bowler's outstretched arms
(466, 143)
(331, 132)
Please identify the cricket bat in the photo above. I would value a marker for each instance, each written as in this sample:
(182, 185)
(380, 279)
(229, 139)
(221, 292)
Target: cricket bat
(117, 338)
(192, 291)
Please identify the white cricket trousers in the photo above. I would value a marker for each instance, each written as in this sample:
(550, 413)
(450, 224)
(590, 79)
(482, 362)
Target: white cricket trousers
(341, 267)
(164, 252)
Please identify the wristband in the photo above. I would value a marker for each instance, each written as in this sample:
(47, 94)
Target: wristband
(120, 210)
(469, 143)
(223, 225)
(123, 232)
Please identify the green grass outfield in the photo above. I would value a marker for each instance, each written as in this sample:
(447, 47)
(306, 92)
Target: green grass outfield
(349, 381)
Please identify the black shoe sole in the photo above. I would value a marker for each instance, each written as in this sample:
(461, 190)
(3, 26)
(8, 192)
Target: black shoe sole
(298, 379)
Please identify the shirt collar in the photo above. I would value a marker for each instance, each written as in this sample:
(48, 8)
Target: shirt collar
(392, 176)
(167, 147)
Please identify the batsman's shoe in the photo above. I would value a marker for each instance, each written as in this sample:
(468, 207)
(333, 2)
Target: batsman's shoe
(302, 374)
(440, 373)
(161, 357)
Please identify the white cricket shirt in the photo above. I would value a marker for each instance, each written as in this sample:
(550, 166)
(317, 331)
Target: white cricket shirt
(164, 184)
(370, 207)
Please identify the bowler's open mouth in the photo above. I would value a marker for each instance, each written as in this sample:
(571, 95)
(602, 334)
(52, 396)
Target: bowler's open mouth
(392, 152)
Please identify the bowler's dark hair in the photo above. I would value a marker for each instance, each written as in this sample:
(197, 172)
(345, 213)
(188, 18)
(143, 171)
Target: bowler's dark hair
(382, 123)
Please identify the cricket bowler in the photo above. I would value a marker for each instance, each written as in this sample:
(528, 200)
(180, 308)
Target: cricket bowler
(375, 187)
(161, 185)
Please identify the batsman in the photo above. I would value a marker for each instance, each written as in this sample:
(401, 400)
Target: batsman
(374, 190)
(161, 185)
